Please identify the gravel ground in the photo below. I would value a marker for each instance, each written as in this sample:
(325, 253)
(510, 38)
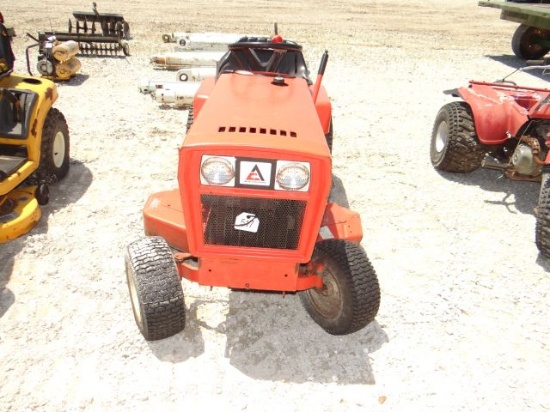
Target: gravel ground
(463, 323)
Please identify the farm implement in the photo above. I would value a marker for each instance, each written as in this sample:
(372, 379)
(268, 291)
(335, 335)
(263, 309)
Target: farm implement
(92, 33)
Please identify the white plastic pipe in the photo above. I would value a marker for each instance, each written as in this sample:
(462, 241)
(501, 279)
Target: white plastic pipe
(186, 59)
(195, 74)
(180, 95)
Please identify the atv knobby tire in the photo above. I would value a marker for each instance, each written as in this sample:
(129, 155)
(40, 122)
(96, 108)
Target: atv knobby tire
(155, 288)
(54, 149)
(350, 297)
(526, 42)
(454, 146)
(542, 230)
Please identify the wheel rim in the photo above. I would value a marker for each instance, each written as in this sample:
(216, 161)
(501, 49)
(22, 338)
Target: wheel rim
(58, 149)
(441, 137)
(133, 293)
(327, 301)
(529, 44)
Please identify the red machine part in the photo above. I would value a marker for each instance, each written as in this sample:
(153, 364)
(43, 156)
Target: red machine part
(500, 109)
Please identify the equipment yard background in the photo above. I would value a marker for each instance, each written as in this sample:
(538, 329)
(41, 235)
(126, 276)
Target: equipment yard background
(463, 323)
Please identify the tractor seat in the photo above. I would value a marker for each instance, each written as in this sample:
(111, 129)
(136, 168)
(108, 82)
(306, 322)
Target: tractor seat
(6, 54)
(7, 118)
(262, 55)
(15, 109)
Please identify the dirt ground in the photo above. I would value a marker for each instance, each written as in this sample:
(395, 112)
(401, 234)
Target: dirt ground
(463, 323)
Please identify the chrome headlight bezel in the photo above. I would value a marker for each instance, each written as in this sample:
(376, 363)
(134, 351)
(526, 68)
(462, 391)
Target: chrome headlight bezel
(293, 176)
(217, 171)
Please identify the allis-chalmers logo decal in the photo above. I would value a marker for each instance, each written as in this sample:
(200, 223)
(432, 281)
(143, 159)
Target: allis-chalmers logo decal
(255, 173)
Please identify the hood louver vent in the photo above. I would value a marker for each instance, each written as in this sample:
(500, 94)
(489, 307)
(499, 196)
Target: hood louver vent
(256, 130)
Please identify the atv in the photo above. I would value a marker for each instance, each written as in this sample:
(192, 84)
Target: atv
(502, 126)
(34, 145)
(252, 208)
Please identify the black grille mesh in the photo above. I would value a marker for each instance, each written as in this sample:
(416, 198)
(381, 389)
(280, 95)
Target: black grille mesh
(280, 221)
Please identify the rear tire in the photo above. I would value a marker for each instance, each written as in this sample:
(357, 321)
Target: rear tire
(454, 145)
(350, 297)
(525, 45)
(155, 288)
(329, 136)
(190, 118)
(542, 229)
(55, 147)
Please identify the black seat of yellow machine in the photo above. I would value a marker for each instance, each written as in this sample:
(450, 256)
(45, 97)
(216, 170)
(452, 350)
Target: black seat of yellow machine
(15, 107)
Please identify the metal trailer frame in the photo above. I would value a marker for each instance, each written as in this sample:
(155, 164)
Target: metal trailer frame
(531, 40)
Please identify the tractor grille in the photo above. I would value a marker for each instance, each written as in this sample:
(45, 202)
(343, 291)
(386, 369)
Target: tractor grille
(252, 222)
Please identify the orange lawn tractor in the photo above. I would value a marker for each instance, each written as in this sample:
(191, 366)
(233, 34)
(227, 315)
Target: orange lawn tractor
(253, 208)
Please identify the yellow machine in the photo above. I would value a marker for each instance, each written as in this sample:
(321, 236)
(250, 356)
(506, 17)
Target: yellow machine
(34, 144)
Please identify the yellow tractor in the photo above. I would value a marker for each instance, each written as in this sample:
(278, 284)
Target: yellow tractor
(34, 144)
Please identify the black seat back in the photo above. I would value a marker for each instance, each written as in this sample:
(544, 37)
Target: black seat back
(6, 54)
(259, 55)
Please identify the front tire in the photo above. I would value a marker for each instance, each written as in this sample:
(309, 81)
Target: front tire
(42, 194)
(542, 229)
(350, 297)
(454, 145)
(155, 288)
(55, 147)
(526, 42)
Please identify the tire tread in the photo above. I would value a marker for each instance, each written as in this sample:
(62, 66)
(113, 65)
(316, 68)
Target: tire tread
(158, 287)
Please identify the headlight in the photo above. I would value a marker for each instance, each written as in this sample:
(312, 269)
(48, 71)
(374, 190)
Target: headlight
(217, 170)
(293, 175)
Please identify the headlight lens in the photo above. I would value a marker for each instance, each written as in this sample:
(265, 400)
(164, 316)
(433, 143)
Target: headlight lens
(293, 176)
(217, 170)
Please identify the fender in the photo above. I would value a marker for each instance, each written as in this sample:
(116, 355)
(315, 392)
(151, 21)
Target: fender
(324, 109)
(340, 223)
(202, 94)
(499, 110)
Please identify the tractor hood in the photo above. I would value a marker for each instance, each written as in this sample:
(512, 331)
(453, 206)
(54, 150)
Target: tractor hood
(264, 112)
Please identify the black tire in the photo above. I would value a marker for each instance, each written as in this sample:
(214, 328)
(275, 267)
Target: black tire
(155, 288)
(454, 145)
(329, 136)
(190, 118)
(42, 194)
(542, 229)
(525, 42)
(350, 298)
(55, 148)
